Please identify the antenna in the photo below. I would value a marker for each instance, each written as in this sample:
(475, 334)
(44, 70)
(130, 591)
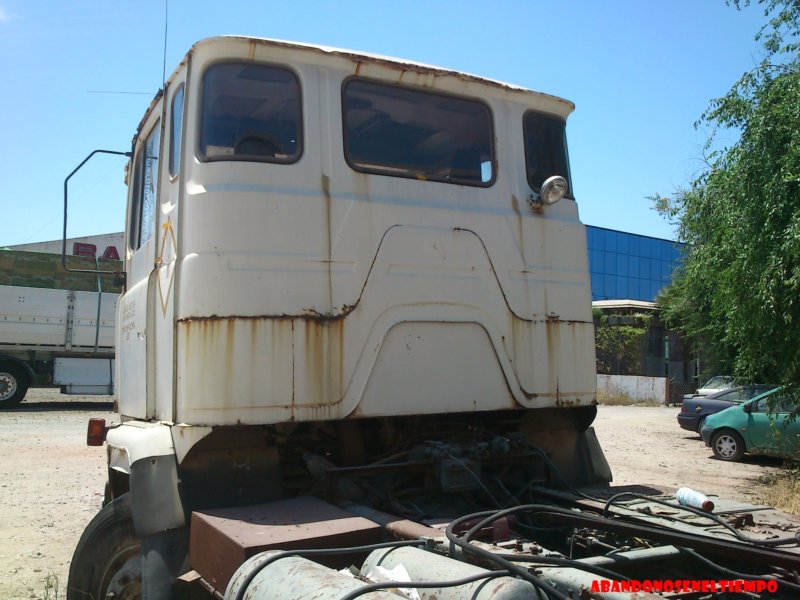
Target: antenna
(164, 66)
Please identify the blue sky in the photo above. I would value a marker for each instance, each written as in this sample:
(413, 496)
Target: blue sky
(639, 71)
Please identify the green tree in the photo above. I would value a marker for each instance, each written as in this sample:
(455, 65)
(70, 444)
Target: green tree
(619, 342)
(738, 293)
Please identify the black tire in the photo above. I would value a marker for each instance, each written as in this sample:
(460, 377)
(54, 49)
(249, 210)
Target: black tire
(14, 382)
(700, 423)
(727, 445)
(107, 559)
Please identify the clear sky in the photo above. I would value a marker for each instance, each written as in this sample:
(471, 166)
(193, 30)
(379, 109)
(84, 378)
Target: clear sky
(639, 71)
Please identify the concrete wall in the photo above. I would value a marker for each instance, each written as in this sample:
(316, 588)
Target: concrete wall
(643, 389)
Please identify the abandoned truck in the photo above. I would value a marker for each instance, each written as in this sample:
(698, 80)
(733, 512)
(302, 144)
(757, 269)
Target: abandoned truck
(356, 345)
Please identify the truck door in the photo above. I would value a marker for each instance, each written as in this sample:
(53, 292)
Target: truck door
(136, 396)
(167, 250)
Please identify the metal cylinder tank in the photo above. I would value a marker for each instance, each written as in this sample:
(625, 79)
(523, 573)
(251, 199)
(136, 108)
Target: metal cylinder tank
(422, 565)
(293, 578)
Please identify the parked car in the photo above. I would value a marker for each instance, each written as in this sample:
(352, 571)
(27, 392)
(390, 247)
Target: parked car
(750, 427)
(712, 386)
(695, 409)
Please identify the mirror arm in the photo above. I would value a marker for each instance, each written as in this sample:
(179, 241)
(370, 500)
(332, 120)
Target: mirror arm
(64, 236)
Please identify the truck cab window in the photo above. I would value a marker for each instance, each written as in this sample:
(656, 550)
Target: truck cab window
(145, 189)
(545, 150)
(250, 112)
(176, 130)
(392, 130)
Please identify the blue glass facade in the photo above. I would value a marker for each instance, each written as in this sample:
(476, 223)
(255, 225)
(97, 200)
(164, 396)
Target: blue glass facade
(626, 266)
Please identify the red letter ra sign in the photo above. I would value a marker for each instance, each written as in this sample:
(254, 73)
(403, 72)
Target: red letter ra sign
(90, 250)
(84, 249)
(111, 253)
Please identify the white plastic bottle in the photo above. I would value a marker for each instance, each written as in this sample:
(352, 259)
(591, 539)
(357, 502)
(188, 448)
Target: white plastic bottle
(689, 497)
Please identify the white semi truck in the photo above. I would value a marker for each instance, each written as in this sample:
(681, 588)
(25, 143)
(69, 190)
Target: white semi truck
(357, 331)
(56, 329)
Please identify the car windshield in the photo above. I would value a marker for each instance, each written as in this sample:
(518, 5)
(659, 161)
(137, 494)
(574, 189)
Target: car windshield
(720, 382)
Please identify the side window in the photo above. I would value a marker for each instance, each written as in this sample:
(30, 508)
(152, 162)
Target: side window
(145, 189)
(772, 402)
(402, 132)
(250, 112)
(545, 149)
(783, 405)
(763, 405)
(176, 130)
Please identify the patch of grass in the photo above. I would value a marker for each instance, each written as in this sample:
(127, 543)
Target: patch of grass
(50, 588)
(623, 400)
(783, 490)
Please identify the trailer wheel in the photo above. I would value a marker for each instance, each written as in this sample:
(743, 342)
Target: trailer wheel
(107, 561)
(14, 382)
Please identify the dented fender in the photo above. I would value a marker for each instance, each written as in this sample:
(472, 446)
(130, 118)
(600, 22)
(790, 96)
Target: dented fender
(146, 453)
(130, 442)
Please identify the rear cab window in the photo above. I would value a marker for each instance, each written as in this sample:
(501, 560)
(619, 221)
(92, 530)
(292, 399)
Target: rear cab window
(176, 131)
(546, 150)
(250, 112)
(406, 132)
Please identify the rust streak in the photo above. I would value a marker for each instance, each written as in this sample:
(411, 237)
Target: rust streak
(309, 314)
(325, 185)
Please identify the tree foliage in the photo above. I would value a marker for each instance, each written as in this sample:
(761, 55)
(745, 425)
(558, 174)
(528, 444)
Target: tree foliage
(738, 294)
(619, 342)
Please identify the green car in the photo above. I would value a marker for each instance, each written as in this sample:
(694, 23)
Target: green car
(751, 428)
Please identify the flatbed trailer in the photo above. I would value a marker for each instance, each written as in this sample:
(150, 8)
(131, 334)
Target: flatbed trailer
(56, 328)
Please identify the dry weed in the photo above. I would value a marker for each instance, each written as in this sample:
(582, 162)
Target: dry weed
(783, 490)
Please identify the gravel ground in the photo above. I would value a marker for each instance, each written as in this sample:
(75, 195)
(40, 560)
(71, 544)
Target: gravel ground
(52, 483)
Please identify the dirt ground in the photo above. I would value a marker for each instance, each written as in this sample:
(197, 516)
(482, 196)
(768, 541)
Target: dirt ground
(646, 445)
(51, 483)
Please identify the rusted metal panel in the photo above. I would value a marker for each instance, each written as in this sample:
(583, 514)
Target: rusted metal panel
(223, 539)
(375, 357)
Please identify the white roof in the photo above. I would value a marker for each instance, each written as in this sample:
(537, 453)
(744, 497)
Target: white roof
(641, 304)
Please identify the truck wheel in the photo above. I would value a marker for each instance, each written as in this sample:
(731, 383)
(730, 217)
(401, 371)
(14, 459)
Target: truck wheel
(107, 562)
(14, 382)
